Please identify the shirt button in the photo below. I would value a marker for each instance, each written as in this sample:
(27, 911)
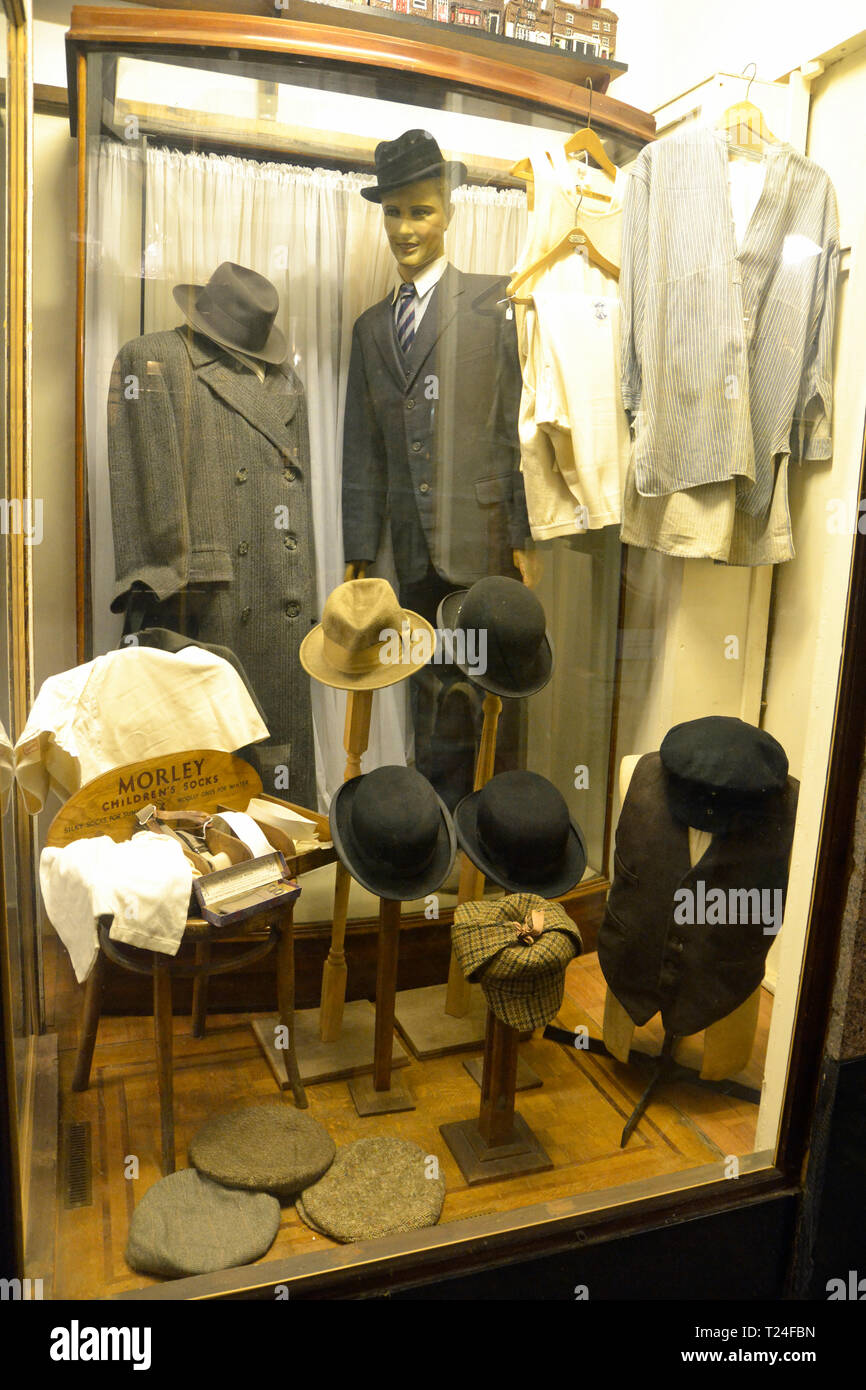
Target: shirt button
(290, 541)
(416, 447)
(424, 487)
(292, 609)
(243, 548)
(246, 614)
(410, 405)
(241, 475)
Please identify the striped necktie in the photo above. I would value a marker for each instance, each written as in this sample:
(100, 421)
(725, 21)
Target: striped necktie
(405, 321)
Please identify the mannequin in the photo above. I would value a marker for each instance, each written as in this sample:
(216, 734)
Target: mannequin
(431, 436)
(209, 469)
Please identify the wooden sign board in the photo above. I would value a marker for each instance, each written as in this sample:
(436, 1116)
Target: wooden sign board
(200, 780)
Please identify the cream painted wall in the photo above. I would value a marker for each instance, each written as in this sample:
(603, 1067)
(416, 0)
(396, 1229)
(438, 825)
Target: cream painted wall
(670, 45)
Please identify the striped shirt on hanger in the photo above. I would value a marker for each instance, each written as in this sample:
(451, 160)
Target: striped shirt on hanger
(726, 346)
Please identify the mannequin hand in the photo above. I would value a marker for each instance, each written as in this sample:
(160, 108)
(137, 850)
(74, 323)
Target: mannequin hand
(529, 563)
(355, 570)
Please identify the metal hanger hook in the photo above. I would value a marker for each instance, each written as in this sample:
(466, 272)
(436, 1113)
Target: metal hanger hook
(754, 67)
(588, 84)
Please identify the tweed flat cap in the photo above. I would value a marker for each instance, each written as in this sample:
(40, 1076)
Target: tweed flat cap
(263, 1148)
(374, 1187)
(186, 1224)
(518, 947)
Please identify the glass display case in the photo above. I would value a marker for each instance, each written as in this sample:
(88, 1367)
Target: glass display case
(461, 459)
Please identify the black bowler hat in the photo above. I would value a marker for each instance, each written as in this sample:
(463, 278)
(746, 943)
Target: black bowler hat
(392, 833)
(412, 156)
(517, 830)
(237, 308)
(721, 772)
(519, 657)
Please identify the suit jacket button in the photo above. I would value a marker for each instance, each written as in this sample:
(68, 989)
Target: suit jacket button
(241, 475)
(243, 548)
(292, 609)
(424, 487)
(416, 447)
(290, 541)
(246, 614)
(410, 405)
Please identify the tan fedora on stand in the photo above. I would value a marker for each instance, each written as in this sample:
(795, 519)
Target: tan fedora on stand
(366, 640)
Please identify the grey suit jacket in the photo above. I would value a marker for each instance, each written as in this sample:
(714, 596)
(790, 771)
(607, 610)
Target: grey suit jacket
(432, 436)
(210, 502)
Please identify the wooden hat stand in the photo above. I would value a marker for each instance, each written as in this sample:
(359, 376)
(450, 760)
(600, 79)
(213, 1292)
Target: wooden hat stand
(337, 1040)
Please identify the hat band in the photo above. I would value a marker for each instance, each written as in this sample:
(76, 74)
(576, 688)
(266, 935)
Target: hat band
(252, 333)
(351, 663)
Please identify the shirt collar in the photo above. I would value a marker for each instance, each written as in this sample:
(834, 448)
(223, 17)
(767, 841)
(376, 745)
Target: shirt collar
(425, 279)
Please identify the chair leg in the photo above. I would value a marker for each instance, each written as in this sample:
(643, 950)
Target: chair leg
(91, 1010)
(286, 1002)
(163, 1039)
(199, 991)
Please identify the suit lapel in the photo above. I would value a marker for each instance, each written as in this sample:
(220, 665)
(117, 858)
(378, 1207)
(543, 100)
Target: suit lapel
(439, 314)
(382, 331)
(267, 406)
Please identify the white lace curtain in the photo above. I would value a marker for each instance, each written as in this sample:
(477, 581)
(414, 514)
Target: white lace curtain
(172, 217)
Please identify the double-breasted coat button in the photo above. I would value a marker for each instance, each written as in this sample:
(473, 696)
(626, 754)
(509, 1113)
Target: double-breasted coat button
(292, 609)
(410, 405)
(291, 475)
(424, 487)
(290, 541)
(416, 447)
(241, 475)
(246, 614)
(243, 548)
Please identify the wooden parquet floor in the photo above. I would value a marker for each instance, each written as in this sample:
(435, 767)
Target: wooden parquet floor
(578, 1115)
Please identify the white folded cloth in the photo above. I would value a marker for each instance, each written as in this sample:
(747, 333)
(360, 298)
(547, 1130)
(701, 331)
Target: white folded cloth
(144, 883)
(125, 706)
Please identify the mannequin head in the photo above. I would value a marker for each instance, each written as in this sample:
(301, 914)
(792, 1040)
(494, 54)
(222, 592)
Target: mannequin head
(416, 220)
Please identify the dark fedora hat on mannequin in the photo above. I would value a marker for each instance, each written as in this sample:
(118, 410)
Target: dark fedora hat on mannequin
(412, 156)
(517, 830)
(393, 834)
(237, 308)
(518, 656)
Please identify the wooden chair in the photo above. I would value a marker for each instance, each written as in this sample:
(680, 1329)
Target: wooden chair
(106, 806)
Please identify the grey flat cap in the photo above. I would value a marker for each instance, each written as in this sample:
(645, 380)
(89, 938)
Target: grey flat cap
(186, 1224)
(263, 1148)
(374, 1187)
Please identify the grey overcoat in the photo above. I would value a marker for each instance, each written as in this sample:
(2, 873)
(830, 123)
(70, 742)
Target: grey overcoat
(210, 498)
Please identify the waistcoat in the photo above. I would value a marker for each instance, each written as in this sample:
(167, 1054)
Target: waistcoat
(690, 942)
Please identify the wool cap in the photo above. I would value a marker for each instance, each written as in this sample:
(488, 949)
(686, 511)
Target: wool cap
(375, 1187)
(518, 947)
(187, 1224)
(263, 1148)
(721, 771)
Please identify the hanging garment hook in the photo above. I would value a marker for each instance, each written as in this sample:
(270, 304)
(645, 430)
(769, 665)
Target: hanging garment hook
(754, 67)
(588, 84)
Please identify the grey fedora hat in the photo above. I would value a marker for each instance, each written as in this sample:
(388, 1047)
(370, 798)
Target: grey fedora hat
(414, 155)
(237, 308)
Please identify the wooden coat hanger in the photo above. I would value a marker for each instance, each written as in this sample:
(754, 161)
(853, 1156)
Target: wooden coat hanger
(747, 121)
(583, 141)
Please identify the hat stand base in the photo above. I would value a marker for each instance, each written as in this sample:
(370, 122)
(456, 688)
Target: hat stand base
(350, 1054)
(527, 1079)
(368, 1101)
(431, 1032)
(481, 1162)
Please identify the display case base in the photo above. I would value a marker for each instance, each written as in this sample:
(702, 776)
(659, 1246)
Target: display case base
(479, 1162)
(369, 1101)
(351, 1054)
